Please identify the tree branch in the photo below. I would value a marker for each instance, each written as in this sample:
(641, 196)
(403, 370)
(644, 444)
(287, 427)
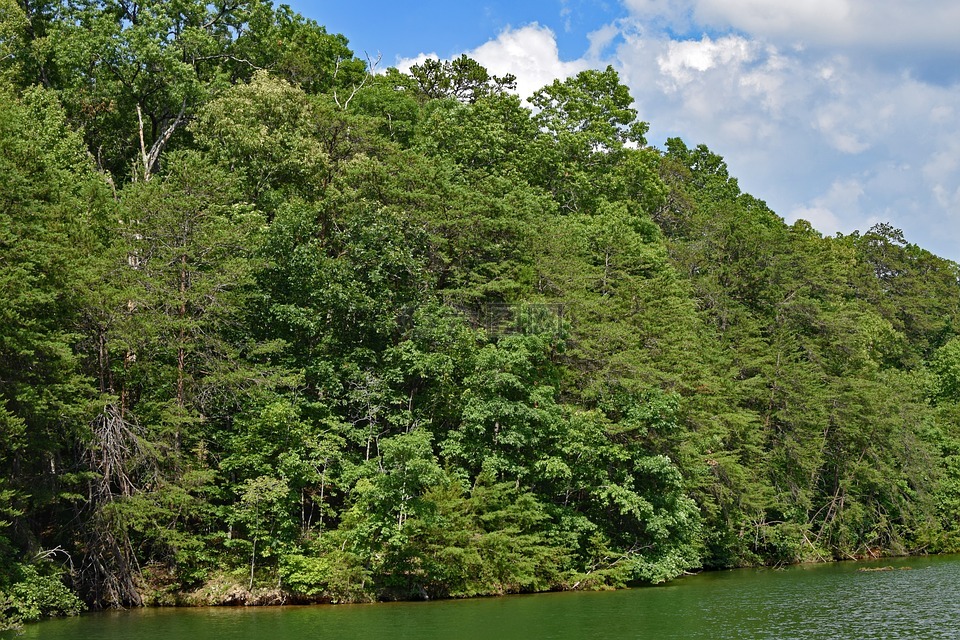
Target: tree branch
(371, 70)
(150, 157)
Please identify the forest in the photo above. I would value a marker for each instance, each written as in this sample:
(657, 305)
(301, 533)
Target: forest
(278, 325)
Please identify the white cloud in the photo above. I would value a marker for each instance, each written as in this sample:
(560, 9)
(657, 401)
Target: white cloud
(795, 125)
(942, 166)
(941, 175)
(821, 217)
(774, 17)
(812, 130)
(531, 54)
(671, 11)
(835, 122)
(404, 64)
(601, 39)
(942, 114)
(878, 24)
(727, 92)
(830, 212)
(685, 61)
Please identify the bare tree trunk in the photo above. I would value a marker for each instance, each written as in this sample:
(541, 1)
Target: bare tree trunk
(150, 158)
(109, 572)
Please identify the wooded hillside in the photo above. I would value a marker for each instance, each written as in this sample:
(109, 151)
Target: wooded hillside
(276, 326)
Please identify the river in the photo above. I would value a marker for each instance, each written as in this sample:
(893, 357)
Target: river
(919, 598)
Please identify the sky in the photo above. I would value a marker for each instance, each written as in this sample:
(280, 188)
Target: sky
(845, 113)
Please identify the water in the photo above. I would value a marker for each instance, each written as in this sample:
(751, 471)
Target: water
(813, 601)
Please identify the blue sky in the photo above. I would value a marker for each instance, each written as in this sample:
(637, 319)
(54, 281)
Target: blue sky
(842, 112)
(404, 30)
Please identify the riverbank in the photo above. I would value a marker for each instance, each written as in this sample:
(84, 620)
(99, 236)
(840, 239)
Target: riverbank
(230, 589)
(158, 588)
(790, 603)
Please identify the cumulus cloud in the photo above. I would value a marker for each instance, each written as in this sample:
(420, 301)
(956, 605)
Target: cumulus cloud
(727, 92)
(807, 129)
(685, 61)
(601, 39)
(777, 18)
(941, 173)
(530, 53)
(817, 127)
(887, 24)
(830, 213)
(405, 64)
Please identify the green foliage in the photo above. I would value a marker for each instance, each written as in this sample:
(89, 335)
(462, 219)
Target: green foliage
(13, 32)
(294, 48)
(50, 201)
(593, 108)
(33, 592)
(358, 337)
(589, 121)
(281, 143)
(509, 416)
(443, 542)
(946, 369)
(462, 79)
(492, 135)
(391, 99)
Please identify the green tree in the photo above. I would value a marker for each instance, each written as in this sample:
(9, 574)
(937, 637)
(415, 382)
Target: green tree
(51, 203)
(166, 341)
(135, 72)
(590, 122)
(263, 509)
(281, 143)
(463, 79)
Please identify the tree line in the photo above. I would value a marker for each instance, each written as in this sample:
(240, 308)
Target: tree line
(275, 327)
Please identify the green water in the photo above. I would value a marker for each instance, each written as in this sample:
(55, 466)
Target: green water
(818, 601)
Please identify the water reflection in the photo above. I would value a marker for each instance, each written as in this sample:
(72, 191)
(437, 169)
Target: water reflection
(820, 601)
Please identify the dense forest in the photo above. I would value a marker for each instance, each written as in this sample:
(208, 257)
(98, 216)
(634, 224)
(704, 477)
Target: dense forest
(280, 326)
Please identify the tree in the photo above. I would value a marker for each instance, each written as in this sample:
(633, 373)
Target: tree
(51, 203)
(136, 72)
(279, 142)
(495, 134)
(915, 290)
(291, 47)
(166, 338)
(510, 417)
(590, 122)
(262, 509)
(463, 79)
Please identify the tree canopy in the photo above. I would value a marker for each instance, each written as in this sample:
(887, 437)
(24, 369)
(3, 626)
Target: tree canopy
(275, 320)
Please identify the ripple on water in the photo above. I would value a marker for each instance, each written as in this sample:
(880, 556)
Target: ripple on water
(822, 601)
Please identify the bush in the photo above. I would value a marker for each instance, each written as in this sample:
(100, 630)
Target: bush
(34, 596)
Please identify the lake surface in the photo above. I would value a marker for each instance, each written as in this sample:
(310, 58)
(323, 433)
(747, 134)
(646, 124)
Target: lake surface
(809, 601)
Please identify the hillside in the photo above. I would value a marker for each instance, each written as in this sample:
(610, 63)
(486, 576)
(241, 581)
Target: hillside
(276, 326)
